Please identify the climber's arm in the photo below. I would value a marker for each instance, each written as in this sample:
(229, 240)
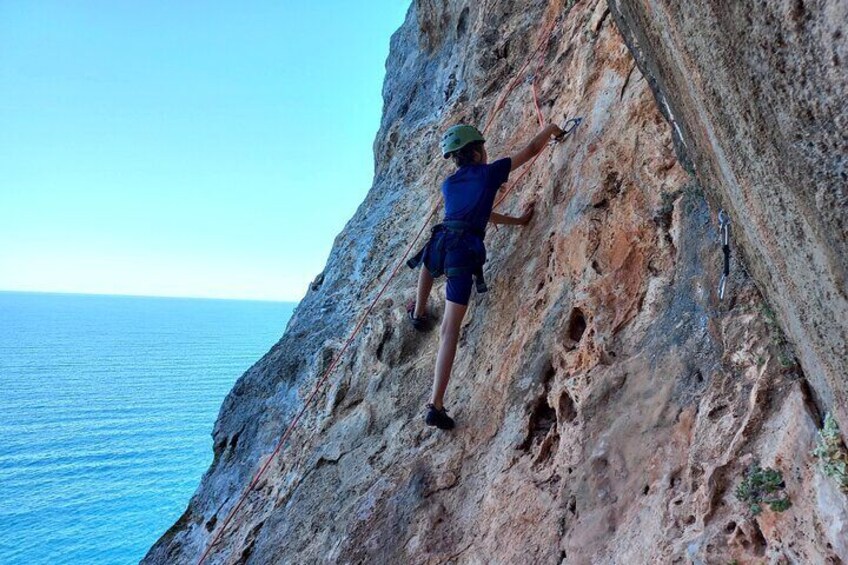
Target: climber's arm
(500, 219)
(535, 146)
(523, 220)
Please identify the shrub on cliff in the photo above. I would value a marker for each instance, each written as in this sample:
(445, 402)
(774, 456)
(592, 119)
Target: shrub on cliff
(763, 486)
(831, 452)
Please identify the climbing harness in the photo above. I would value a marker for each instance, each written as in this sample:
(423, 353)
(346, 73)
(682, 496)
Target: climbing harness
(447, 236)
(724, 236)
(540, 49)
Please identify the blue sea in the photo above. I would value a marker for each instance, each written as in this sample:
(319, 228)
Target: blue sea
(106, 409)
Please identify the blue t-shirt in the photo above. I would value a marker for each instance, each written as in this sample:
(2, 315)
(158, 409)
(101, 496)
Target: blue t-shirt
(470, 192)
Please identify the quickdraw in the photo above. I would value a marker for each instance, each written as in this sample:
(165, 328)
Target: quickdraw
(568, 127)
(724, 235)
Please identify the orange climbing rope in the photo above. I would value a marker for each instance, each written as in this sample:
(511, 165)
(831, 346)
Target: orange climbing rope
(541, 48)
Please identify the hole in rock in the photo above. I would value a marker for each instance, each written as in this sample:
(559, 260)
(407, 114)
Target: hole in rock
(646, 490)
(600, 464)
(758, 540)
(234, 441)
(548, 449)
(674, 480)
(542, 419)
(612, 184)
(732, 303)
(567, 410)
(572, 504)
(797, 12)
(717, 412)
(462, 25)
(549, 375)
(576, 325)
(690, 520)
(210, 524)
(251, 542)
(450, 86)
(730, 527)
(503, 51)
(327, 357)
(387, 335)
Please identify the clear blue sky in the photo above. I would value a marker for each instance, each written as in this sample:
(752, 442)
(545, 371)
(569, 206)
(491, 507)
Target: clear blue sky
(184, 148)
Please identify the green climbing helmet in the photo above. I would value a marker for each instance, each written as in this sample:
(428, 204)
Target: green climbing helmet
(458, 137)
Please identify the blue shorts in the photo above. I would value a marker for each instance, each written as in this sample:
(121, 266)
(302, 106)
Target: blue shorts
(460, 254)
(459, 288)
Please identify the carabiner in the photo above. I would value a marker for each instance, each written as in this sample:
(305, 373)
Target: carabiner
(567, 128)
(569, 125)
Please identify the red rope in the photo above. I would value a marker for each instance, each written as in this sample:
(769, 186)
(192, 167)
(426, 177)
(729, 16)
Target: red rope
(290, 428)
(536, 104)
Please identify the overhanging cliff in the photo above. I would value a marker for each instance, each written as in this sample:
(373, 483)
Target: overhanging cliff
(757, 93)
(608, 403)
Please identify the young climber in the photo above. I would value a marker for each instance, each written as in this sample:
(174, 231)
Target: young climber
(456, 246)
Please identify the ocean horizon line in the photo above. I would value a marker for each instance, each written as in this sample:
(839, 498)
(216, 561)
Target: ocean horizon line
(154, 296)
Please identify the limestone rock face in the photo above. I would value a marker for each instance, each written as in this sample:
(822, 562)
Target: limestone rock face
(607, 402)
(756, 92)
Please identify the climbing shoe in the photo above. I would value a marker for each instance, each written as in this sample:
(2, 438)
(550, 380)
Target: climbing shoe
(422, 324)
(438, 418)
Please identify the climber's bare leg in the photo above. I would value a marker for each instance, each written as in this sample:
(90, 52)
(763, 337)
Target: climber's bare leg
(425, 284)
(448, 338)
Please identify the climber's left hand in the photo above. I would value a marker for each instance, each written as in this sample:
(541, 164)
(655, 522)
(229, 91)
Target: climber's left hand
(525, 218)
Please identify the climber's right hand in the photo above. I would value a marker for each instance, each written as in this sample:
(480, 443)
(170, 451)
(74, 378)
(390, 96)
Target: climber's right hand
(555, 131)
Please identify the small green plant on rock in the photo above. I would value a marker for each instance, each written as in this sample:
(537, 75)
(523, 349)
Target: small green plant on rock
(831, 453)
(785, 355)
(763, 486)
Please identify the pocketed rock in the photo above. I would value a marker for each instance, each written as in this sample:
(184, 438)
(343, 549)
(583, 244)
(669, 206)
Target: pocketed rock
(607, 402)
